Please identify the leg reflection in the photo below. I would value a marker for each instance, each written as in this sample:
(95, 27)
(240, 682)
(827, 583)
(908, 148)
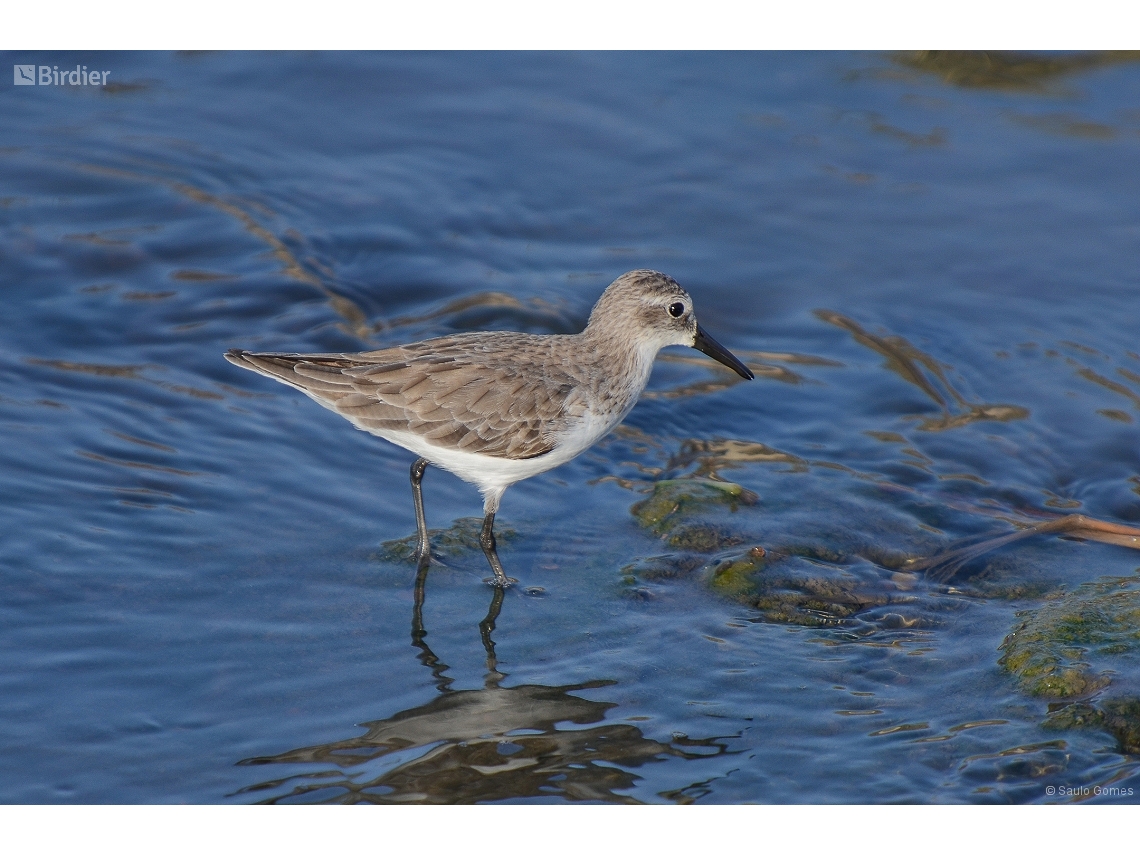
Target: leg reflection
(426, 656)
(485, 744)
(486, 627)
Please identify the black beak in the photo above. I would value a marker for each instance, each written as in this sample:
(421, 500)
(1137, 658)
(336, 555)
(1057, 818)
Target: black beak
(707, 344)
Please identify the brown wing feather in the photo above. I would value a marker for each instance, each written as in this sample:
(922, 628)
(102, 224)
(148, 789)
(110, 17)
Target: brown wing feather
(462, 391)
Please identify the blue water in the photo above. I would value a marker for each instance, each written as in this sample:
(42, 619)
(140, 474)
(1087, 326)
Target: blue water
(200, 599)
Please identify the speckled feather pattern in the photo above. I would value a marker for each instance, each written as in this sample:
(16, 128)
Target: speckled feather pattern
(501, 394)
(497, 407)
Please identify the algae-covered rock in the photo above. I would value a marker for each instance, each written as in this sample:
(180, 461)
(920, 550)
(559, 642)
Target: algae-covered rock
(677, 502)
(809, 599)
(1078, 716)
(703, 538)
(661, 568)
(1122, 720)
(462, 537)
(1048, 651)
(1117, 716)
(1008, 587)
(735, 577)
(801, 586)
(783, 587)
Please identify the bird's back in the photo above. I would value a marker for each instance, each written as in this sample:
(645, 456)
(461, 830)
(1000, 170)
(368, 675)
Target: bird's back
(464, 392)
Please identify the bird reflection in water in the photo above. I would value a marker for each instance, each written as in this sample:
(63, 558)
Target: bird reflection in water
(481, 745)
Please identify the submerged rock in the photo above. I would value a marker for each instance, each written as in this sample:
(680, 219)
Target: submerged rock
(703, 538)
(1048, 651)
(734, 577)
(1122, 720)
(662, 568)
(674, 503)
(460, 538)
(1119, 717)
(799, 587)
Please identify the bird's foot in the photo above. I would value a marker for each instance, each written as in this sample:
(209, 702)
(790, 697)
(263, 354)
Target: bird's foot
(504, 582)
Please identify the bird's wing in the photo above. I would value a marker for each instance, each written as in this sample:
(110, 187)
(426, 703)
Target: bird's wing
(446, 393)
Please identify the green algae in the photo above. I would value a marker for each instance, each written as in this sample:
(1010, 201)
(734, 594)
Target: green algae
(677, 501)
(841, 575)
(703, 538)
(820, 582)
(1048, 651)
(789, 589)
(462, 537)
(734, 578)
(1008, 586)
(1119, 717)
(782, 587)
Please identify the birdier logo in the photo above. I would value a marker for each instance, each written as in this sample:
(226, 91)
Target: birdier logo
(50, 75)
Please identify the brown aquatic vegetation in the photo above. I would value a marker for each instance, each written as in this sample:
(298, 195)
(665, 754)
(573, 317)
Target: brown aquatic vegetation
(713, 455)
(913, 365)
(757, 360)
(356, 322)
(945, 564)
(291, 266)
(133, 372)
(1017, 72)
(1111, 385)
(126, 372)
(481, 300)
(1066, 125)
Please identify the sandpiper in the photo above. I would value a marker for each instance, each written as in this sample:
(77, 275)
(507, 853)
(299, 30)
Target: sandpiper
(497, 407)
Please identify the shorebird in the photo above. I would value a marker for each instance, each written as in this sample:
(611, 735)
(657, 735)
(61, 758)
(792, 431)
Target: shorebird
(497, 407)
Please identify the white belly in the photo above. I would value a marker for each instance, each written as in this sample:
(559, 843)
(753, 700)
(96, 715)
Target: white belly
(495, 474)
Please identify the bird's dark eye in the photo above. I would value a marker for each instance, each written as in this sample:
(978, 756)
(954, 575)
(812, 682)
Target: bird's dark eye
(676, 309)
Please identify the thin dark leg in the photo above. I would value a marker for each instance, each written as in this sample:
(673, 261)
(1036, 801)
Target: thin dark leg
(487, 541)
(423, 548)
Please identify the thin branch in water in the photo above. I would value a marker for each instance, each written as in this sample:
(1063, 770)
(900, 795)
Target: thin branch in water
(943, 566)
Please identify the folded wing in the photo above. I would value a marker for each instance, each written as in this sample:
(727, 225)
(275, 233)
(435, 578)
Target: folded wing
(435, 390)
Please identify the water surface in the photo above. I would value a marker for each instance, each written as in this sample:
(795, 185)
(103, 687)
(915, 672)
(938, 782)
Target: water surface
(930, 263)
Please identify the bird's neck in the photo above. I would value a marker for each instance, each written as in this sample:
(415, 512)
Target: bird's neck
(617, 360)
